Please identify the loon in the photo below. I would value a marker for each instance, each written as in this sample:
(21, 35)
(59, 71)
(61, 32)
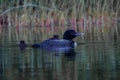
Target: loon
(54, 43)
(22, 45)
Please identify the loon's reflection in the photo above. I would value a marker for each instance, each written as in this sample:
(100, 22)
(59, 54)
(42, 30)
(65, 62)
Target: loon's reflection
(70, 55)
(55, 62)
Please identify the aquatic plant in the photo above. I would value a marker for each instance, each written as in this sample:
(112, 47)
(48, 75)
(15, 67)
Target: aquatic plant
(35, 20)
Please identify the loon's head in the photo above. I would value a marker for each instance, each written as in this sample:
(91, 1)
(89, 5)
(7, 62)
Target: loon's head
(70, 34)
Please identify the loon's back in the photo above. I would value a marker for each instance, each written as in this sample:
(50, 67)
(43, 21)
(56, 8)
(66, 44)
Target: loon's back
(48, 44)
(56, 43)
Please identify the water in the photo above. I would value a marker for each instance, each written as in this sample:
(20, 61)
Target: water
(89, 61)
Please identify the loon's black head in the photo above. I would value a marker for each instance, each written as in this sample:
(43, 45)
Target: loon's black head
(70, 34)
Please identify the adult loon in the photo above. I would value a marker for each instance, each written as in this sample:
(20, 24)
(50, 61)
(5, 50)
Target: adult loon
(54, 43)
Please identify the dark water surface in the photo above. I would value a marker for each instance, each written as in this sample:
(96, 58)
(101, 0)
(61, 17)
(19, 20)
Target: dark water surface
(90, 61)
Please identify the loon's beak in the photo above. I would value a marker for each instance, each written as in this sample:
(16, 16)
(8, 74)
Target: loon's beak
(79, 34)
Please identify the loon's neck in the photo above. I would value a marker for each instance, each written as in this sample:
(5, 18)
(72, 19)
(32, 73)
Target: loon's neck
(73, 44)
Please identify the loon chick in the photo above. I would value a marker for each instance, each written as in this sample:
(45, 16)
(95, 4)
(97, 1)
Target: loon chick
(55, 43)
(22, 45)
(55, 37)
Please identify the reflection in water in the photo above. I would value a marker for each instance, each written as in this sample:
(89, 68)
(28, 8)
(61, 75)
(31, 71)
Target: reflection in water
(86, 62)
(1, 69)
(98, 62)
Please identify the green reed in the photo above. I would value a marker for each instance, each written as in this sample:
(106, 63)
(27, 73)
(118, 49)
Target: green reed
(28, 15)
